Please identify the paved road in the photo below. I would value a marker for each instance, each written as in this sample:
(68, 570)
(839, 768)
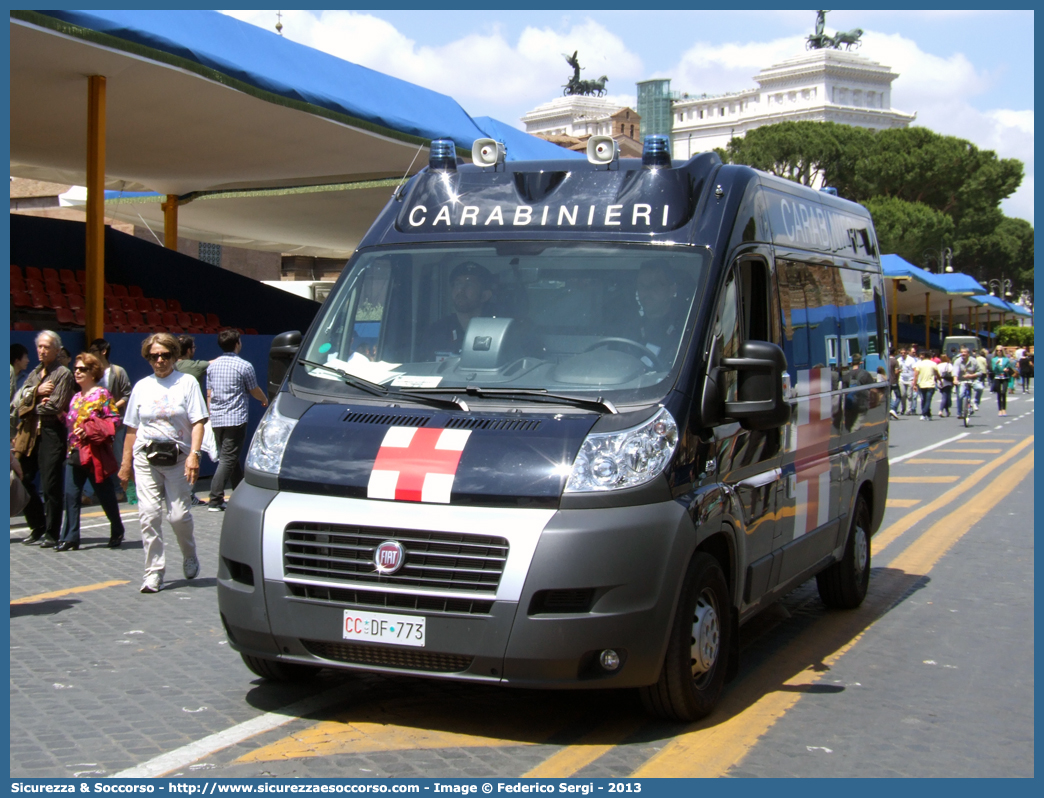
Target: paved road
(933, 676)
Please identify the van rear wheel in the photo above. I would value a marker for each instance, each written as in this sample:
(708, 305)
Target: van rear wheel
(693, 673)
(279, 671)
(844, 584)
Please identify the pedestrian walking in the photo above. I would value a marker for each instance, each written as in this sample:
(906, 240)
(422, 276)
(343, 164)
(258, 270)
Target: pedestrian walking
(927, 376)
(19, 363)
(966, 373)
(230, 379)
(1026, 370)
(115, 380)
(893, 384)
(165, 417)
(907, 377)
(982, 357)
(946, 383)
(40, 440)
(1001, 371)
(91, 422)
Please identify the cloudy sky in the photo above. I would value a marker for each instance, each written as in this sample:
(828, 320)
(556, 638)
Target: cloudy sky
(964, 73)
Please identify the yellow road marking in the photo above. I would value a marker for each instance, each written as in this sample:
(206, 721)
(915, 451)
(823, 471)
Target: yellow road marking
(970, 483)
(921, 480)
(585, 751)
(714, 746)
(972, 451)
(902, 502)
(946, 461)
(68, 592)
(990, 440)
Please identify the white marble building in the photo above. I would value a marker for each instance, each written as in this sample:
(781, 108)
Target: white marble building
(573, 116)
(818, 86)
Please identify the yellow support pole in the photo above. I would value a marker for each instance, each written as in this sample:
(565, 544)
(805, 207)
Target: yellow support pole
(170, 222)
(895, 315)
(94, 293)
(927, 320)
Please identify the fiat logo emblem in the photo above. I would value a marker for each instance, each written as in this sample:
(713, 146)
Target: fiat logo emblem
(389, 557)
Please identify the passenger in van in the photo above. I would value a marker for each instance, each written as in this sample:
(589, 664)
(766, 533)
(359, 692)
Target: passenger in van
(471, 288)
(661, 314)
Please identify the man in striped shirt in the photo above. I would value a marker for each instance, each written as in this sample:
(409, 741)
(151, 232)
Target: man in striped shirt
(229, 379)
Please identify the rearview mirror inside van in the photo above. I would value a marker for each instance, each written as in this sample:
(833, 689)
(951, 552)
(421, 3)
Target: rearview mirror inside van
(760, 404)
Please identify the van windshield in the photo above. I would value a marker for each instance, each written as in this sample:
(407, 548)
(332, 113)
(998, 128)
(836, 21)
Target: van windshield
(578, 319)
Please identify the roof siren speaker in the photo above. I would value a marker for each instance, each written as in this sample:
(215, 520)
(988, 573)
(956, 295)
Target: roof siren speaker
(443, 155)
(602, 150)
(487, 152)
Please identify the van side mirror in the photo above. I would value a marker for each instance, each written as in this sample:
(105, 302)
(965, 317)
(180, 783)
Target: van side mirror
(280, 355)
(760, 404)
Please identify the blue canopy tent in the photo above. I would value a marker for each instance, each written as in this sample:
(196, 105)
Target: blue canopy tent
(916, 292)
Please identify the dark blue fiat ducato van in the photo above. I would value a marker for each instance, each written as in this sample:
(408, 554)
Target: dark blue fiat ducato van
(567, 424)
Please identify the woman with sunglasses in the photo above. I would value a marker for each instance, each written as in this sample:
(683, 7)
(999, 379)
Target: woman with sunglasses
(91, 421)
(164, 420)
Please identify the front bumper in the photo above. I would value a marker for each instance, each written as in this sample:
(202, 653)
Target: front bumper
(613, 576)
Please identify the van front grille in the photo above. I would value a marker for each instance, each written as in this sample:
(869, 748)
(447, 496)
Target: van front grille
(434, 560)
(398, 601)
(406, 659)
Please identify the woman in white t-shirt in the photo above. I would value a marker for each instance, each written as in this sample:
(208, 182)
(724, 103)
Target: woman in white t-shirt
(164, 419)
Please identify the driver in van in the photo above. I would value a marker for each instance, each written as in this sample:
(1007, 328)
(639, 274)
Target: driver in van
(662, 316)
(471, 288)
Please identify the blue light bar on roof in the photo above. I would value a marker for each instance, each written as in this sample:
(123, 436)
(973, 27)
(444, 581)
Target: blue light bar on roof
(443, 155)
(656, 151)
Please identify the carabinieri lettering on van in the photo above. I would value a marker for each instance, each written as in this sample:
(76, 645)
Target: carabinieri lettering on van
(638, 215)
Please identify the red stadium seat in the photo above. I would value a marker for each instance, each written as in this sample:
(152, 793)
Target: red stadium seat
(17, 282)
(154, 319)
(134, 319)
(142, 305)
(21, 299)
(49, 273)
(128, 303)
(173, 304)
(184, 320)
(119, 318)
(39, 299)
(53, 286)
(158, 305)
(169, 319)
(67, 275)
(112, 303)
(135, 291)
(65, 316)
(16, 271)
(57, 301)
(175, 330)
(72, 287)
(74, 301)
(34, 284)
(32, 271)
(119, 290)
(197, 320)
(24, 326)
(79, 317)
(213, 320)
(81, 277)
(250, 331)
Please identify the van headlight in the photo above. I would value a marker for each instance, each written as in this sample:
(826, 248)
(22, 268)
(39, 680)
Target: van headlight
(270, 439)
(625, 459)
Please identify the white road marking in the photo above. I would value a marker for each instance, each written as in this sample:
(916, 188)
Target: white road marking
(187, 754)
(900, 459)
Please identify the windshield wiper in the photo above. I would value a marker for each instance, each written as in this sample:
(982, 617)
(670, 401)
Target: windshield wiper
(379, 390)
(535, 394)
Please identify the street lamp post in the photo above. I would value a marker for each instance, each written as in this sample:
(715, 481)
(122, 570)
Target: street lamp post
(943, 259)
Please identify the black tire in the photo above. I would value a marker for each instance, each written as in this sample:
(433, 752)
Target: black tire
(691, 681)
(279, 671)
(966, 417)
(844, 584)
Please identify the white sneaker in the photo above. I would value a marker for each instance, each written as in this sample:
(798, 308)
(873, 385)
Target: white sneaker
(153, 583)
(191, 567)
(923, 418)
(894, 414)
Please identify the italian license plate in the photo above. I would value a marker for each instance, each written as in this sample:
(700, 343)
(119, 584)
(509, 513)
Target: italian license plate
(379, 627)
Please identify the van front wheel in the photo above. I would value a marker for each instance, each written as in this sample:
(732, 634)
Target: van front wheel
(279, 671)
(693, 671)
(844, 584)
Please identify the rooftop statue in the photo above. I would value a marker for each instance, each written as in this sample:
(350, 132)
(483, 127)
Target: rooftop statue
(575, 86)
(820, 40)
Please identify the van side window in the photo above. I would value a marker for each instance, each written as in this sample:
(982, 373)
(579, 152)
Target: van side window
(754, 293)
(791, 279)
(727, 332)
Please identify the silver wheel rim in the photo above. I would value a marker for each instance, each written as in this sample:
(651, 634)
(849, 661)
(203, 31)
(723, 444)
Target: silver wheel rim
(862, 550)
(706, 635)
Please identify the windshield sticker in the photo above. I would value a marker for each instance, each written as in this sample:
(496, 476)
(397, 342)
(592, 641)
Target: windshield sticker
(416, 382)
(417, 464)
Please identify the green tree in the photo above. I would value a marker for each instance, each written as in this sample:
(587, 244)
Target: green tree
(908, 228)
